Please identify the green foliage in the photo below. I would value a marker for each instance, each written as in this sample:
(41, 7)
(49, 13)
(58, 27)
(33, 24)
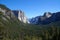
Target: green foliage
(15, 30)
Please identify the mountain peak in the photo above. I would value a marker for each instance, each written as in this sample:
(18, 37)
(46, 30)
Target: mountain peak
(46, 18)
(47, 14)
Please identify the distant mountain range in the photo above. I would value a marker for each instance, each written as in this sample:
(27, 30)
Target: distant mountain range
(46, 18)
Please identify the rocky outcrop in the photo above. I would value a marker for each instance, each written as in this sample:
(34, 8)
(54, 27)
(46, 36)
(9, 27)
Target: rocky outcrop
(7, 14)
(13, 15)
(47, 14)
(20, 15)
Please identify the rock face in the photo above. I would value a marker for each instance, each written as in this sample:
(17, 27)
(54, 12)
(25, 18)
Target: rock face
(46, 18)
(7, 14)
(13, 15)
(20, 15)
(47, 14)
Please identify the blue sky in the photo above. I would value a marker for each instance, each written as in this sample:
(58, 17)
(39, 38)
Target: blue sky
(33, 8)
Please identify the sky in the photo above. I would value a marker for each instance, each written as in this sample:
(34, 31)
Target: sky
(33, 8)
